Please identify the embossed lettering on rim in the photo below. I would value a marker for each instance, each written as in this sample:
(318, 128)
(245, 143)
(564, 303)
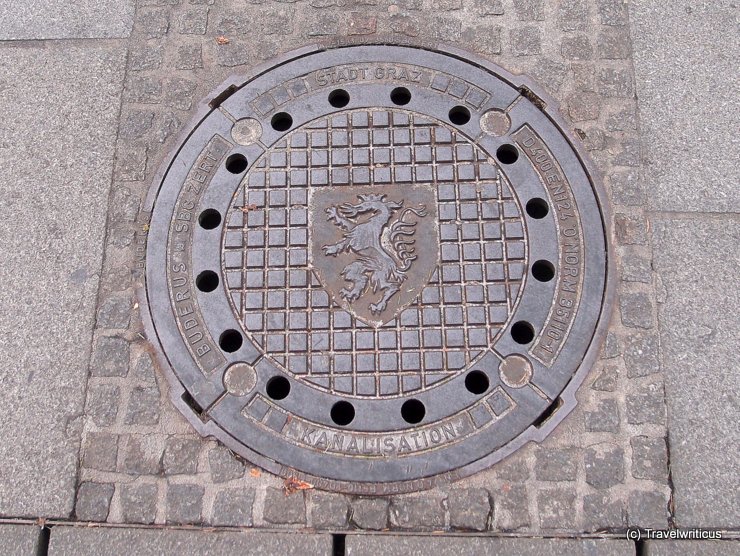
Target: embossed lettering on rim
(368, 267)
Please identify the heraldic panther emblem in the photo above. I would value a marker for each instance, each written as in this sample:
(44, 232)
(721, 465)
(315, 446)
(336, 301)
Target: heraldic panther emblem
(380, 232)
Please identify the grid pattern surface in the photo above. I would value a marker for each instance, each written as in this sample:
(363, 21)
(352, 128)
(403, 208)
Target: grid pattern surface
(287, 312)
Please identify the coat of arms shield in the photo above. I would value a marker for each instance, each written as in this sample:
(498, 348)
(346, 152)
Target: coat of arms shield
(374, 248)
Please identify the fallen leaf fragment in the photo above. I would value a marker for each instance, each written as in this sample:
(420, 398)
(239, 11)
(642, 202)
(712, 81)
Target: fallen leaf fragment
(292, 485)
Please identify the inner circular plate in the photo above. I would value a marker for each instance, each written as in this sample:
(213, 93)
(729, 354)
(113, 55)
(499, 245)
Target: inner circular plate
(375, 267)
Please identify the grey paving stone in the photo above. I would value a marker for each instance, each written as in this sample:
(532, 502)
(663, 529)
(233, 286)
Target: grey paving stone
(557, 508)
(419, 545)
(601, 511)
(179, 93)
(513, 469)
(284, 509)
(224, 465)
(611, 347)
(370, 513)
(584, 106)
(604, 465)
(530, 10)
(181, 455)
(138, 502)
(189, 57)
(75, 89)
(329, 510)
(526, 41)
(233, 507)
(144, 368)
(613, 44)
(110, 358)
(57, 19)
(641, 355)
(100, 451)
(692, 548)
(698, 331)
(615, 83)
(577, 47)
(145, 58)
(489, 7)
(636, 310)
(605, 418)
(470, 509)
(102, 403)
(647, 406)
(184, 503)
(142, 455)
(417, 513)
(573, 15)
(19, 540)
(114, 312)
(93, 501)
(130, 165)
(636, 269)
(649, 458)
(81, 541)
(630, 230)
(556, 464)
(549, 73)
(647, 509)
(143, 406)
(612, 12)
(606, 379)
(511, 508)
(154, 23)
(696, 111)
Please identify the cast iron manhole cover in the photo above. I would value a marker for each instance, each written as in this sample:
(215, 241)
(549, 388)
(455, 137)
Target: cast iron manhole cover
(374, 267)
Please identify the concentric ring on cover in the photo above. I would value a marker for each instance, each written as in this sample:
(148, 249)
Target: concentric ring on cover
(374, 268)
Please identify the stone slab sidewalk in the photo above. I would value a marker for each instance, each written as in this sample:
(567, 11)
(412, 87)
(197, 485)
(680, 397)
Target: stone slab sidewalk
(58, 19)
(686, 83)
(81, 541)
(410, 545)
(20, 540)
(59, 106)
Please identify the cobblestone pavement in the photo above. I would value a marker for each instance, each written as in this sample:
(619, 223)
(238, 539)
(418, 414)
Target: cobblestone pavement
(607, 467)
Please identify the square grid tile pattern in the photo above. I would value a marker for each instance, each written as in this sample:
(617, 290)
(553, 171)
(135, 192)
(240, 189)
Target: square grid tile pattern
(457, 315)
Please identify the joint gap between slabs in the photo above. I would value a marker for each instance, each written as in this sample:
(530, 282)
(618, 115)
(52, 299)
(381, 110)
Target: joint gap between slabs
(44, 537)
(338, 544)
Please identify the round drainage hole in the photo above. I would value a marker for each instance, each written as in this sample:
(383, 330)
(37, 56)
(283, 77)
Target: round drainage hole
(413, 411)
(207, 281)
(236, 163)
(338, 98)
(278, 388)
(522, 332)
(400, 96)
(209, 219)
(230, 341)
(459, 115)
(507, 154)
(282, 121)
(342, 413)
(537, 208)
(476, 382)
(544, 271)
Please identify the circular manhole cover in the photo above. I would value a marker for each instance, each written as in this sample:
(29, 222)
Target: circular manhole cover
(375, 267)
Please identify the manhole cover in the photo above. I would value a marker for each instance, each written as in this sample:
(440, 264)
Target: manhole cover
(374, 267)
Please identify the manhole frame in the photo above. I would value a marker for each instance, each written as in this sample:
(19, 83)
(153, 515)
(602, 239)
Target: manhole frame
(562, 405)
